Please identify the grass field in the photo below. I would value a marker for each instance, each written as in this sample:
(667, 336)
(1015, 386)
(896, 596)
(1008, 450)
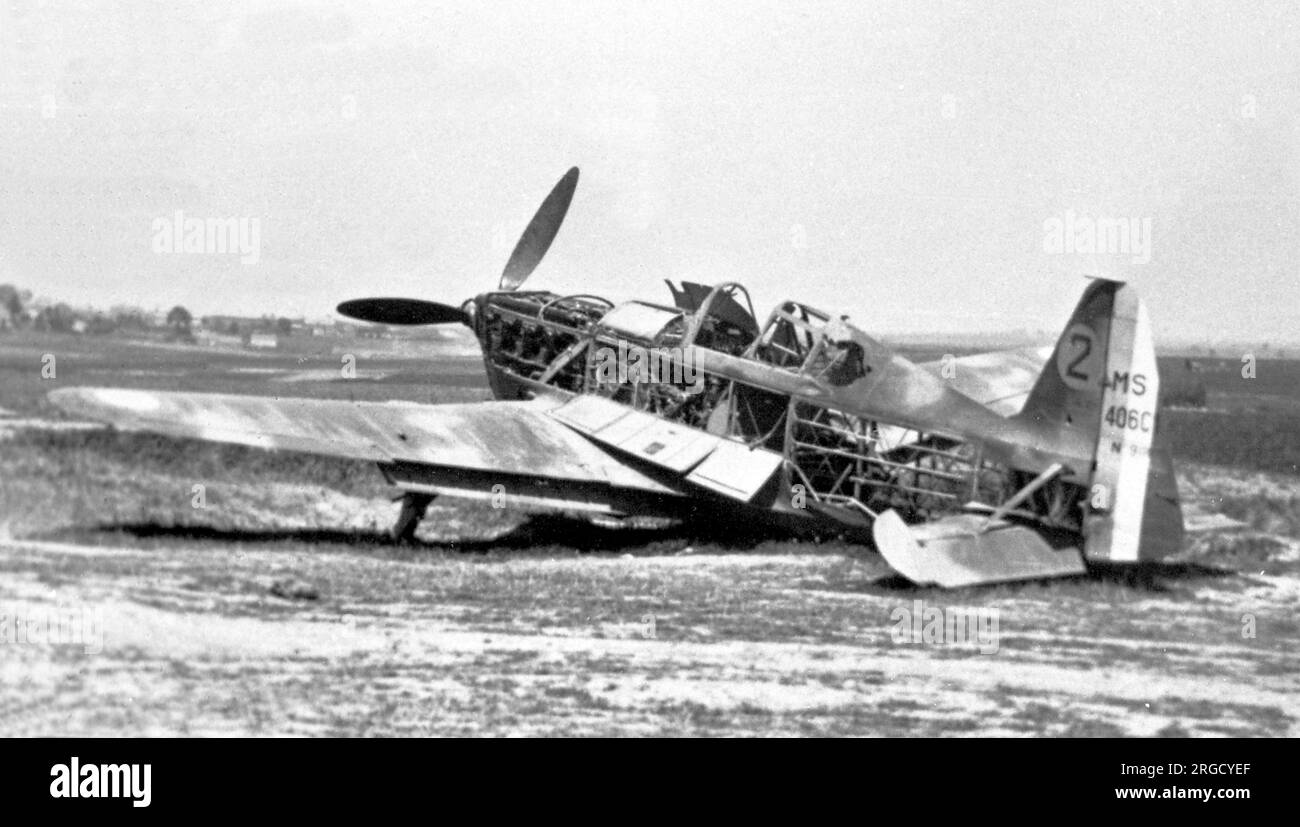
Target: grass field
(500, 623)
(1247, 422)
(418, 371)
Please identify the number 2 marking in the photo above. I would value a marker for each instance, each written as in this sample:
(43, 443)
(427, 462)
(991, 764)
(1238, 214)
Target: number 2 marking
(1075, 359)
(1071, 369)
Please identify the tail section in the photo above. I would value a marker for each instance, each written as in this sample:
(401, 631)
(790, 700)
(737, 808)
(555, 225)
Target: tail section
(1066, 400)
(1094, 407)
(1098, 396)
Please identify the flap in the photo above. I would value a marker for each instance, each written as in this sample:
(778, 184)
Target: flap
(713, 461)
(736, 470)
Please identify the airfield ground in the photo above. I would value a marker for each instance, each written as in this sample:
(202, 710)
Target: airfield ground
(279, 608)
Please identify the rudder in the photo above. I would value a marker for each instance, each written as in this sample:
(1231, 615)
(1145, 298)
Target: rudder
(1098, 397)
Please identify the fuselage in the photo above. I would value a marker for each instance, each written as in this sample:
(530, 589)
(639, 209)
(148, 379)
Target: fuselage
(860, 429)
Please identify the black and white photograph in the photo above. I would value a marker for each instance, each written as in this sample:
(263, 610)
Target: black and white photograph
(656, 369)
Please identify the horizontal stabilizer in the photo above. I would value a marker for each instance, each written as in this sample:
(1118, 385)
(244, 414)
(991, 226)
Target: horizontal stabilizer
(961, 551)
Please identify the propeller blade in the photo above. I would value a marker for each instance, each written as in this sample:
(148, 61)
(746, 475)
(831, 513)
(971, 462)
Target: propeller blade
(402, 311)
(540, 232)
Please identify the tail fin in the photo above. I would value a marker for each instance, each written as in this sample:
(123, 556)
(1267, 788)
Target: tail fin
(1098, 394)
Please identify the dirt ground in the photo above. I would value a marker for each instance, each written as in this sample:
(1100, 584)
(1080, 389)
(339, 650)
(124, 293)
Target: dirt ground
(277, 607)
(313, 625)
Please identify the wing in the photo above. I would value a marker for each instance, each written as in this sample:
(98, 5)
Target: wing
(1000, 380)
(501, 437)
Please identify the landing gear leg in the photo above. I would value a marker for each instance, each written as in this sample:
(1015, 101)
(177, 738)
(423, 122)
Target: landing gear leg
(413, 508)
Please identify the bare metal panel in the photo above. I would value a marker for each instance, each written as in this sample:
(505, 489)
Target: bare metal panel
(736, 470)
(589, 413)
(637, 321)
(624, 428)
(667, 444)
(719, 464)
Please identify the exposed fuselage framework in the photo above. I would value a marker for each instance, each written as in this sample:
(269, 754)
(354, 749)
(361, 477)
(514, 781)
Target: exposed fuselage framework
(792, 387)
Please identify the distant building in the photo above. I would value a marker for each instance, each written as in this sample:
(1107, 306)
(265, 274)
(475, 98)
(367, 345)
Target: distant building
(211, 338)
(230, 324)
(263, 341)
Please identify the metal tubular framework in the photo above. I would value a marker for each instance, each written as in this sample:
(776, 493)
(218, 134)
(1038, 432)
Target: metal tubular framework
(842, 461)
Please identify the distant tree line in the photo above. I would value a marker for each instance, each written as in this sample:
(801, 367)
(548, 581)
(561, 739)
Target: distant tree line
(17, 309)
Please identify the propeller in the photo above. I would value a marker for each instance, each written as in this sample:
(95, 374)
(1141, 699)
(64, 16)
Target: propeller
(539, 233)
(402, 311)
(528, 253)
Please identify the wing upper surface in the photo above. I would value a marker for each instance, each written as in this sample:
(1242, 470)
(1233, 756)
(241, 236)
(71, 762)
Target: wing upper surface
(506, 437)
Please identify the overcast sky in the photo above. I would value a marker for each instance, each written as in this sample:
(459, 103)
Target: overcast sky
(902, 162)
